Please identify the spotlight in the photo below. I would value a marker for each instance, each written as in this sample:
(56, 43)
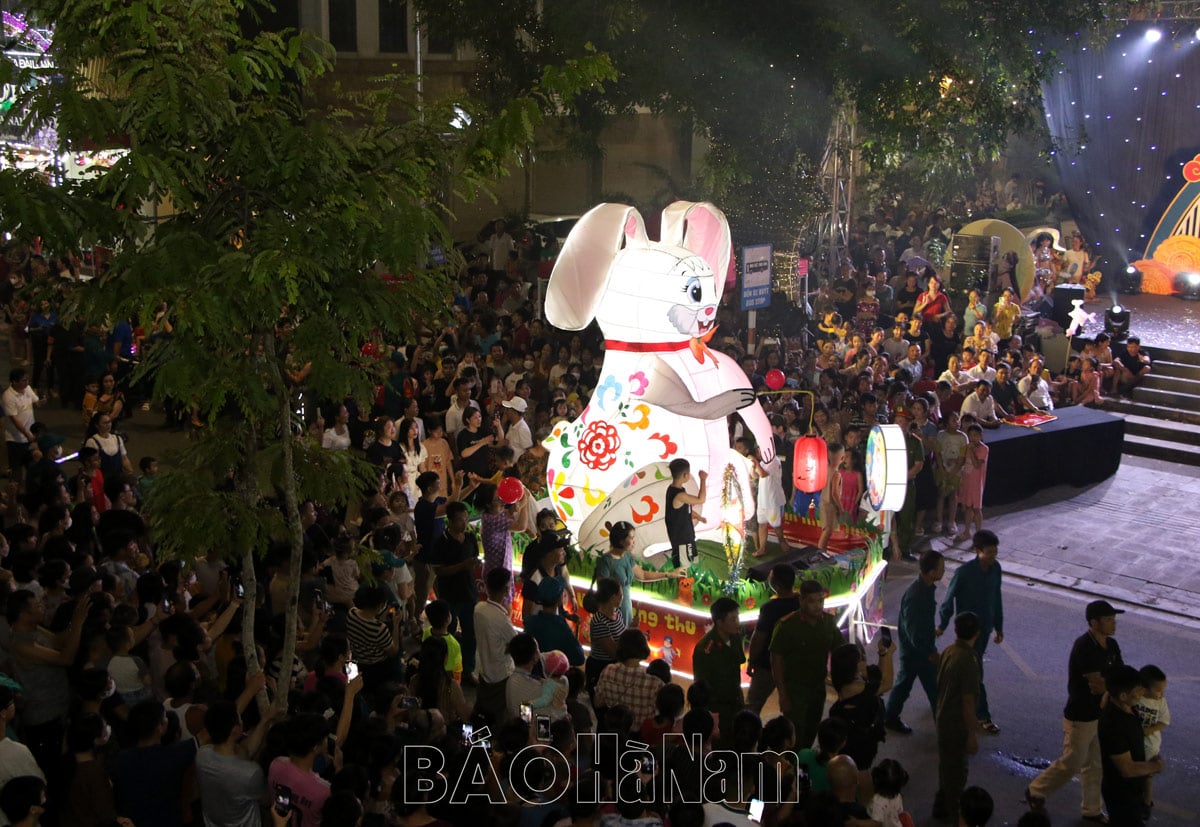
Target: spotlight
(1187, 285)
(1116, 322)
(1129, 280)
(1153, 35)
(1197, 35)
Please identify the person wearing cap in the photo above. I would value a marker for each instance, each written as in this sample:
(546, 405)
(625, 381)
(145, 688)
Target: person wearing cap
(549, 627)
(516, 429)
(1093, 655)
(46, 475)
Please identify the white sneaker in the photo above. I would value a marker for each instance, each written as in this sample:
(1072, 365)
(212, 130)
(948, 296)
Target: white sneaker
(952, 529)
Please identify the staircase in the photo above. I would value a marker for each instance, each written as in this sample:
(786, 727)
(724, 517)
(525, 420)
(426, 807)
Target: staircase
(1162, 421)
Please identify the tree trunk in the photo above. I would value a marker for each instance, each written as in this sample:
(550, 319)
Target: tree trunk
(248, 488)
(292, 510)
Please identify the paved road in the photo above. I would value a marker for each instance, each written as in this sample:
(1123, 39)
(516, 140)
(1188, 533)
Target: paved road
(1026, 680)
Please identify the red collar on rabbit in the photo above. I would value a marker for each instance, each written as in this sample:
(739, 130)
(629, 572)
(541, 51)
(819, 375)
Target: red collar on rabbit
(698, 346)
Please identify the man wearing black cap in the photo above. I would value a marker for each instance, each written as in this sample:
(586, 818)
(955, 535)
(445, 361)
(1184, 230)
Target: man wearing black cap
(1094, 654)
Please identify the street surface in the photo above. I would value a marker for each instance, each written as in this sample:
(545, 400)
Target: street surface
(1027, 687)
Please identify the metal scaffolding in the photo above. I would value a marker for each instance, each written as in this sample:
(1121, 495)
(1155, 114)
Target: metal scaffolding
(827, 239)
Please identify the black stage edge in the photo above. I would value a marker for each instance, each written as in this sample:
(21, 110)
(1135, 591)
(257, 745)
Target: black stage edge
(1082, 447)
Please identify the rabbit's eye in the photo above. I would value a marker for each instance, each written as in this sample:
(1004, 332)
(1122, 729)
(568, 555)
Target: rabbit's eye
(692, 288)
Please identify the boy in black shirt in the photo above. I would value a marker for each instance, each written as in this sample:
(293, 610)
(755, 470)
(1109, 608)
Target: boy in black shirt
(681, 529)
(1122, 749)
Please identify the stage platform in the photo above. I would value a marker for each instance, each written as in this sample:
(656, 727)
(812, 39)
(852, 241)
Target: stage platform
(1159, 321)
(1083, 446)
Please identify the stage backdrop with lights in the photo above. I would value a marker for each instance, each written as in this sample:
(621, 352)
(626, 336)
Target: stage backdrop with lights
(1126, 122)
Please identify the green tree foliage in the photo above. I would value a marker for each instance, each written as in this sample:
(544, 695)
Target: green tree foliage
(278, 220)
(760, 80)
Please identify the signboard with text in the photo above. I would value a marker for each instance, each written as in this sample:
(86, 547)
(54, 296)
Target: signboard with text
(756, 276)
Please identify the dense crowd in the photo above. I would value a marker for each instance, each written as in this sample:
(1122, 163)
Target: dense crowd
(124, 682)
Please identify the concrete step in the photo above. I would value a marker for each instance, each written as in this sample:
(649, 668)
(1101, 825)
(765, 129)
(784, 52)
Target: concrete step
(1187, 357)
(1182, 433)
(1144, 446)
(1177, 369)
(1170, 399)
(1176, 384)
(1138, 407)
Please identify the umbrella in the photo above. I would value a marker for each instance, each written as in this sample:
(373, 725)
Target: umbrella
(916, 264)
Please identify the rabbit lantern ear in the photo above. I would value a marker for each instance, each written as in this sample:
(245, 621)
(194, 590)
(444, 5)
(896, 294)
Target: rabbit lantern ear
(701, 228)
(581, 273)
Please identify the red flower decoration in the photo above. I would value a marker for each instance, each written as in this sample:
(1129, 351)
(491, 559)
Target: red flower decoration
(598, 446)
(1191, 170)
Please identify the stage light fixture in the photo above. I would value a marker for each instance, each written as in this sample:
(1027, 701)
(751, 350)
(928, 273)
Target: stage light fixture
(1129, 280)
(1116, 322)
(1187, 285)
(1153, 35)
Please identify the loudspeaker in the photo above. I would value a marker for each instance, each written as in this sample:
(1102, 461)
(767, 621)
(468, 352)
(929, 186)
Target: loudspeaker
(979, 250)
(800, 559)
(1064, 294)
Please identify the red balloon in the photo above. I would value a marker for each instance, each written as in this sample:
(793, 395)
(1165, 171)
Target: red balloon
(775, 379)
(510, 490)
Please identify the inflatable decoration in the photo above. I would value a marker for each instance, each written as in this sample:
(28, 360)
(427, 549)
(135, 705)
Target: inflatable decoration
(662, 393)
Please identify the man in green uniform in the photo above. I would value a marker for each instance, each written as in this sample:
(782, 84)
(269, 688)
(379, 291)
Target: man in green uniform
(957, 726)
(800, 649)
(717, 660)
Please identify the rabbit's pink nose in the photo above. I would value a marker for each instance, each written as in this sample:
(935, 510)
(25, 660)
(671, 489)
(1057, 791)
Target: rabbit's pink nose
(708, 311)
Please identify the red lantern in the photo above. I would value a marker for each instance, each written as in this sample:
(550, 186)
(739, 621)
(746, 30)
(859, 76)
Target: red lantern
(810, 464)
(510, 490)
(775, 379)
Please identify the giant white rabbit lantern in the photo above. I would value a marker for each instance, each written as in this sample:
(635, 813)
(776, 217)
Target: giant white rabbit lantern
(662, 393)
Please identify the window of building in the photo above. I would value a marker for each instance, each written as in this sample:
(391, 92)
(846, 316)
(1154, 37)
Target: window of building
(393, 26)
(440, 43)
(343, 25)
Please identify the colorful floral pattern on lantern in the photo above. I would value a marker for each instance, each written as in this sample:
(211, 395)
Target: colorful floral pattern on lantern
(609, 385)
(598, 446)
(651, 510)
(643, 421)
(669, 447)
(638, 383)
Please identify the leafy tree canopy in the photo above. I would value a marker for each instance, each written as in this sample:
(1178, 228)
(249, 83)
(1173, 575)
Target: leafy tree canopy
(941, 82)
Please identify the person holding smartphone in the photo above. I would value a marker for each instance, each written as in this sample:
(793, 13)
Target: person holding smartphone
(859, 687)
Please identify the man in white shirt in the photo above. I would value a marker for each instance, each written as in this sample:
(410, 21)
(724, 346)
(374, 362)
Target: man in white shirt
(458, 406)
(18, 401)
(910, 367)
(983, 369)
(499, 245)
(516, 429)
(981, 405)
(1036, 389)
(15, 759)
(493, 631)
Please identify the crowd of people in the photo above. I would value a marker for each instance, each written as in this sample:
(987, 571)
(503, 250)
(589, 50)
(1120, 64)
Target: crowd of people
(125, 689)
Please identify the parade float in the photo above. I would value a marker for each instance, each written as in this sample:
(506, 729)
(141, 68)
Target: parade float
(663, 395)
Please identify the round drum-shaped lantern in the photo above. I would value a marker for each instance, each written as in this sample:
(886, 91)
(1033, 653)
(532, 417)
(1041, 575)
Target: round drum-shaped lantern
(887, 468)
(810, 464)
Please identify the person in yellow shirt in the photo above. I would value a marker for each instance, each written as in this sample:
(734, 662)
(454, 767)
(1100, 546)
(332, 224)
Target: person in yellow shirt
(1004, 314)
